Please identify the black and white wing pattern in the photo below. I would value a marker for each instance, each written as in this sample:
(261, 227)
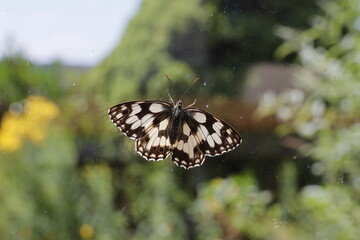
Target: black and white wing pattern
(205, 135)
(147, 122)
(217, 136)
(161, 128)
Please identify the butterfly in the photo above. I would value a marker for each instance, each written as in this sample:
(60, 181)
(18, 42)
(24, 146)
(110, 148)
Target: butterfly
(161, 128)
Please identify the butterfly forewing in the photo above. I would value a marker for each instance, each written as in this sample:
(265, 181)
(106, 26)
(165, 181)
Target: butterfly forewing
(136, 118)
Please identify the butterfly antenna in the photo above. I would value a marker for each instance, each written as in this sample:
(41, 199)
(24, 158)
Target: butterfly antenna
(193, 82)
(171, 87)
(172, 101)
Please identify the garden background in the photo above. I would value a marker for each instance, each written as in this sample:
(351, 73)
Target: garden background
(285, 74)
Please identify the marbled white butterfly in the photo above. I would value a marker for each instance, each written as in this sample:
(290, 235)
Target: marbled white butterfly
(161, 128)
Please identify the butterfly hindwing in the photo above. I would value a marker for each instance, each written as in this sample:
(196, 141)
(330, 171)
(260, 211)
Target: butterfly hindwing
(155, 144)
(186, 150)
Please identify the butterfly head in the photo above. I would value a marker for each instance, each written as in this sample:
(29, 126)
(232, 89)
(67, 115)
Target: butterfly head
(177, 108)
(179, 104)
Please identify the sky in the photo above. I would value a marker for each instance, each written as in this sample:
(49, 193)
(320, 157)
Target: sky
(81, 32)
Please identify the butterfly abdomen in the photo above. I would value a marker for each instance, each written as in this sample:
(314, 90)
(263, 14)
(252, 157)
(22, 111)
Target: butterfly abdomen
(175, 129)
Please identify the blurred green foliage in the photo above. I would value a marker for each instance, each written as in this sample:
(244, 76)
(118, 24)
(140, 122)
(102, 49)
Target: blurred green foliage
(329, 113)
(81, 180)
(234, 208)
(144, 53)
(214, 40)
(44, 196)
(20, 78)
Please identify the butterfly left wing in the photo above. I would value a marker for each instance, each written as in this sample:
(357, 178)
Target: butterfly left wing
(214, 135)
(145, 121)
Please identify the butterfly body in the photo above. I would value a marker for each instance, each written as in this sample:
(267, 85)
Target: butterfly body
(177, 109)
(161, 128)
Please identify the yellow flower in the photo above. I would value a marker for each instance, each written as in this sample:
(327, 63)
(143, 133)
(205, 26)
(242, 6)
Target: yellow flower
(86, 231)
(9, 139)
(31, 124)
(11, 132)
(39, 108)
